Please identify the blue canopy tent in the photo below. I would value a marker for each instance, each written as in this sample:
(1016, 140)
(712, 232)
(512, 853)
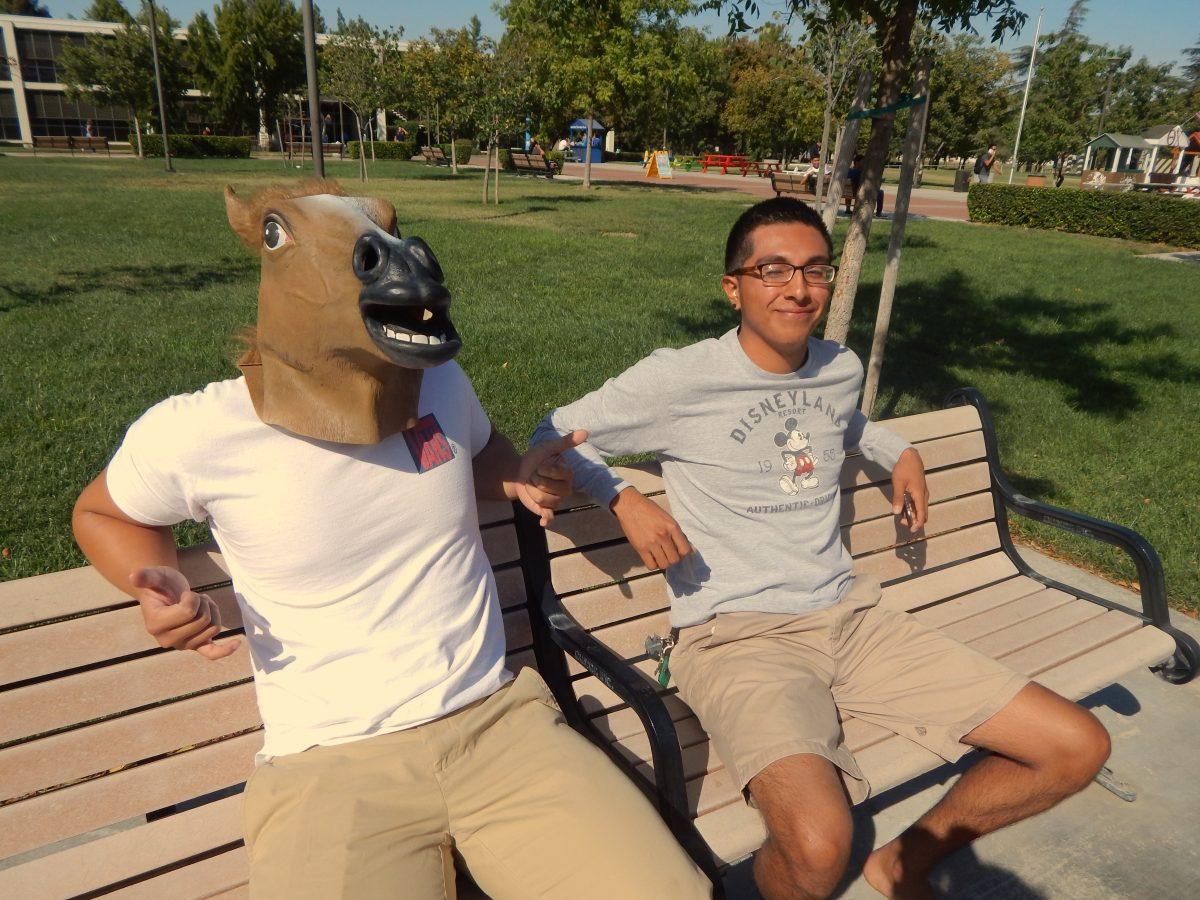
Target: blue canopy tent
(578, 130)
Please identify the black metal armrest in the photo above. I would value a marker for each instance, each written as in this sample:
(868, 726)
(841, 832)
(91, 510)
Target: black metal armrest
(1151, 580)
(619, 676)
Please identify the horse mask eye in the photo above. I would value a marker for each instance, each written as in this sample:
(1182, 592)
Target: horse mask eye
(275, 236)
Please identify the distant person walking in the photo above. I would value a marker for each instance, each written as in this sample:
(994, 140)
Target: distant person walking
(984, 163)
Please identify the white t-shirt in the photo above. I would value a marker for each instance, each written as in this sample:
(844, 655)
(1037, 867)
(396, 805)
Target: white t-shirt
(368, 600)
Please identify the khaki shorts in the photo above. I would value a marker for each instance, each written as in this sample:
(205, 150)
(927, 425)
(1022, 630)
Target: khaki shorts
(766, 686)
(531, 808)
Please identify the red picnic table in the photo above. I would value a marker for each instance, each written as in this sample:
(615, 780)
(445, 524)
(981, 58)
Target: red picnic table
(726, 161)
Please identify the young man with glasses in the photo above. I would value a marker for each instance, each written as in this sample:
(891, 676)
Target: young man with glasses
(774, 633)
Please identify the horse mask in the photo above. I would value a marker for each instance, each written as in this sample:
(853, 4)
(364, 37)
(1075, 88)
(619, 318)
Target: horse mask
(349, 314)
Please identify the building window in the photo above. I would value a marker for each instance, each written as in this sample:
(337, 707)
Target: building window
(53, 113)
(10, 126)
(39, 52)
(5, 71)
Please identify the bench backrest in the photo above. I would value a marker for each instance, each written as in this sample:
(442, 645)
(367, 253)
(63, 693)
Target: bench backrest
(100, 726)
(51, 140)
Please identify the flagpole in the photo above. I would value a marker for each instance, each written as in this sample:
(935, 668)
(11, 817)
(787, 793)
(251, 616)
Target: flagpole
(1028, 80)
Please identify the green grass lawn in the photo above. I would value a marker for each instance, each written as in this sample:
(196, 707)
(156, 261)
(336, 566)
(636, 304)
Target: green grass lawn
(122, 285)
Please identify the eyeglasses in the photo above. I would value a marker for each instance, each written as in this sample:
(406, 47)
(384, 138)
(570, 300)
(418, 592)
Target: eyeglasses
(777, 274)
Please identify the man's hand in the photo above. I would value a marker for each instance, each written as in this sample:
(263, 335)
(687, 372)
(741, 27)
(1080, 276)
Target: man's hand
(543, 482)
(651, 530)
(178, 617)
(909, 477)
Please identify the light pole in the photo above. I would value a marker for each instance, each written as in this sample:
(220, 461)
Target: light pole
(314, 97)
(1028, 80)
(162, 106)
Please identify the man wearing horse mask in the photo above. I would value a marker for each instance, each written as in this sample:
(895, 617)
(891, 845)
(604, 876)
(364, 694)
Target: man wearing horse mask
(340, 476)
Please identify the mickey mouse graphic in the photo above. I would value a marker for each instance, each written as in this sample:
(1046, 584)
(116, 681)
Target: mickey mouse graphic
(798, 460)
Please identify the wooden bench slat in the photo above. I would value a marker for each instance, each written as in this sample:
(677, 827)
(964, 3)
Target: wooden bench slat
(939, 453)
(1000, 617)
(614, 603)
(732, 832)
(875, 501)
(937, 423)
(127, 854)
(217, 874)
(120, 633)
(73, 591)
(890, 565)
(950, 515)
(50, 705)
(80, 808)
(46, 762)
(1057, 618)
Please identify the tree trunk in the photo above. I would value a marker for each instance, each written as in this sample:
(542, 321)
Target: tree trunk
(897, 39)
(913, 142)
(437, 122)
(137, 129)
(496, 183)
(453, 156)
(824, 145)
(371, 135)
(587, 152)
(362, 154)
(845, 152)
(487, 170)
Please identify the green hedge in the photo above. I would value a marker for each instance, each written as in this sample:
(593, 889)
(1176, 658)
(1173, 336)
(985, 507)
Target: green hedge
(1133, 215)
(405, 149)
(464, 149)
(196, 145)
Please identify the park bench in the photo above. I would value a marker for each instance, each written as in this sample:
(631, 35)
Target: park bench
(434, 156)
(305, 148)
(763, 167)
(961, 574)
(725, 161)
(93, 144)
(52, 142)
(531, 164)
(121, 763)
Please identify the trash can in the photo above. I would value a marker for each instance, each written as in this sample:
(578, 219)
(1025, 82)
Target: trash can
(962, 180)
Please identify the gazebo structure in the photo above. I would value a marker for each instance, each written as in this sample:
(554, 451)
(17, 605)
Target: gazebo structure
(1160, 154)
(1170, 153)
(1114, 153)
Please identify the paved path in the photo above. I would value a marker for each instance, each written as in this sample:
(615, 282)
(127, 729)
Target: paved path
(938, 203)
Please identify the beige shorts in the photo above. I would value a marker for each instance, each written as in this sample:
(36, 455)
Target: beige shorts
(767, 685)
(529, 806)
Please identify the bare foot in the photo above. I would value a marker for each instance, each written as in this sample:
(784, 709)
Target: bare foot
(884, 872)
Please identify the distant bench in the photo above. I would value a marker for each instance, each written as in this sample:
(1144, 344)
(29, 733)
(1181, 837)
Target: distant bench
(299, 148)
(434, 156)
(70, 143)
(531, 164)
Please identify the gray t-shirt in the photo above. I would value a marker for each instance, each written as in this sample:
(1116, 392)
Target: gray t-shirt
(751, 461)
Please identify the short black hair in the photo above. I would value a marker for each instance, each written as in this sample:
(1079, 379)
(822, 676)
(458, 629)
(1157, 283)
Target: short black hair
(776, 211)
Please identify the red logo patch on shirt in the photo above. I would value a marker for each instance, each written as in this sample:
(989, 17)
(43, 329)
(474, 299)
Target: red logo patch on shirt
(428, 444)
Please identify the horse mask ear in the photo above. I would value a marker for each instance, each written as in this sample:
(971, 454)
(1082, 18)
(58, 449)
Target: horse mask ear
(243, 220)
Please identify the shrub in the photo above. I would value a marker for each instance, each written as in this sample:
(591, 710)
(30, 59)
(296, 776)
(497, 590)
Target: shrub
(405, 149)
(197, 145)
(464, 147)
(1133, 216)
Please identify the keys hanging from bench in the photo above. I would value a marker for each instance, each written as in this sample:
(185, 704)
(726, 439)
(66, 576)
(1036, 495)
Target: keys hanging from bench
(659, 648)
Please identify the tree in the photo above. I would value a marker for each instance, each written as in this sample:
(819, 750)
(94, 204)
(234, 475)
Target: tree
(839, 49)
(23, 8)
(459, 53)
(357, 68)
(120, 70)
(499, 89)
(592, 49)
(894, 21)
(774, 94)
(1192, 69)
(971, 102)
(247, 58)
(108, 11)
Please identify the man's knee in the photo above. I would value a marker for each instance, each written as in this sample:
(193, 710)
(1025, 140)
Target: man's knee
(814, 853)
(1083, 750)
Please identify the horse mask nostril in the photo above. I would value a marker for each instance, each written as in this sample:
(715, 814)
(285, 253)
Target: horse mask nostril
(370, 257)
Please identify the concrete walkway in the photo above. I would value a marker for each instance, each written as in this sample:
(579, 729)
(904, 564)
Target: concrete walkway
(934, 203)
(1094, 846)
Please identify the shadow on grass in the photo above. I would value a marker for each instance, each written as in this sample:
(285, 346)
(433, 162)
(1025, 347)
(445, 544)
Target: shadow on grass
(1106, 367)
(136, 280)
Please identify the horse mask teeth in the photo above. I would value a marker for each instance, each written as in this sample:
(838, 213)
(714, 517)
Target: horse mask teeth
(349, 313)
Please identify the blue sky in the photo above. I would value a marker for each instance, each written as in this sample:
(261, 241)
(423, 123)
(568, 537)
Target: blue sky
(1162, 33)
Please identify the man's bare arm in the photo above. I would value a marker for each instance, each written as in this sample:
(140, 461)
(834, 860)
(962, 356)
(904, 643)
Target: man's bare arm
(142, 561)
(537, 479)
